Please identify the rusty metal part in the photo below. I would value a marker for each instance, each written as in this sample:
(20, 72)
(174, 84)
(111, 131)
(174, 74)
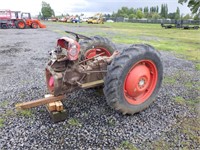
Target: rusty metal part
(39, 102)
(91, 58)
(64, 76)
(92, 84)
(109, 59)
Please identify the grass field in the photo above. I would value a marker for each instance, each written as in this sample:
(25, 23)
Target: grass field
(186, 43)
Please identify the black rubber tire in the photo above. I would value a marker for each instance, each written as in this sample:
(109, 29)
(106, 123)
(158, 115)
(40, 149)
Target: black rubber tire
(34, 25)
(96, 41)
(17, 24)
(10, 26)
(117, 71)
(4, 26)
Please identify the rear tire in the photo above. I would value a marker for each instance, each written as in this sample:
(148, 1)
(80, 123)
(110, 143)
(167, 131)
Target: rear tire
(95, 46)
(20, 24)
(133, 79)
(4, 26)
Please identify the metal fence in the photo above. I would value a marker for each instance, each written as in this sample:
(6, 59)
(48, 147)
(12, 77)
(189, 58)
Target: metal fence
(158, 21)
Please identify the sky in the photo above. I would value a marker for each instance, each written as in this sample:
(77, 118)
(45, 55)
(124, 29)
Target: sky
(87, 7)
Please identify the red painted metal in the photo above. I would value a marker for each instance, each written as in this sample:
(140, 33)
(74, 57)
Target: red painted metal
(51, 82)
(5, 14)
(140, 82)
(90, 53)
(21, 24)
(98, 50)
(71, 46)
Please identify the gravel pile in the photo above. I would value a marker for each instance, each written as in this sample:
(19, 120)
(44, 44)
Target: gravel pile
(91, 124)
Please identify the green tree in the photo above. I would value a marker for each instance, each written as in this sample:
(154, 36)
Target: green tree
(153, 9)
(132, 11)
(194, 5)
(139, 14)
(146, 12)
(46, 10)
(187, 17)
(171, 15)
(157, 9)
(177, 15)
(131, 16)
(155, 16)
(164, 11)
(197, 16)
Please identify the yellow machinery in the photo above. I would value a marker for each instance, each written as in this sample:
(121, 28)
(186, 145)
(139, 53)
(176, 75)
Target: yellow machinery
(96, 19)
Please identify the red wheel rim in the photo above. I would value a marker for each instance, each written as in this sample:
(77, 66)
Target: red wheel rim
(21, 24)
(99, 50)
(140, 82)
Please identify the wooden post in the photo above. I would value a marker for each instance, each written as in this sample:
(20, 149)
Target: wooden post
(39, 102)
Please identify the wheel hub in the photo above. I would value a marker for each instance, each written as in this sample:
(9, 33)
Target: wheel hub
(137, 80)
(141, 83)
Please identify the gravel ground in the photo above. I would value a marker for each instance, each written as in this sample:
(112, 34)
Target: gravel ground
(91, 124)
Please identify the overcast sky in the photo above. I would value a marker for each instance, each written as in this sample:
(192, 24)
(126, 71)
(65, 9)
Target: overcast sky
(87, 6)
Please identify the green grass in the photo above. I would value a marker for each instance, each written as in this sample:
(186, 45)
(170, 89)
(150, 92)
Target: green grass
(179, 100)
(1, 122)
(183, 42)
(188, 84)
(197, 66)
(169, 80)
(111, 122)
(188, 127)
(127, 145)
(161, 145)
(4, 103)
(193, 103)
(25, 113)
(74, 122)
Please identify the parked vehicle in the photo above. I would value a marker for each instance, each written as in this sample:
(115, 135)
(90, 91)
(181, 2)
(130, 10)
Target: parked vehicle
(96, 19)
(110, 21)
(179, 24)
(18, 19)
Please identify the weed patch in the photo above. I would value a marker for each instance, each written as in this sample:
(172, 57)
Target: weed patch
(1, 122)
(74, 122)
(127, 145)
(25, 113)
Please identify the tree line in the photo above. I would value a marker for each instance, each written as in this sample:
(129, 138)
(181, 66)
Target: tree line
(150, 13)
(153, 12)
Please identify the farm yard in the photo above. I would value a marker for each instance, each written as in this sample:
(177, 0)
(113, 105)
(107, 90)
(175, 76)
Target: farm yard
(171, 122)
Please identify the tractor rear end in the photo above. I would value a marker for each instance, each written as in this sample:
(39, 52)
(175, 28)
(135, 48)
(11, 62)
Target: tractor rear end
(131, 78)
